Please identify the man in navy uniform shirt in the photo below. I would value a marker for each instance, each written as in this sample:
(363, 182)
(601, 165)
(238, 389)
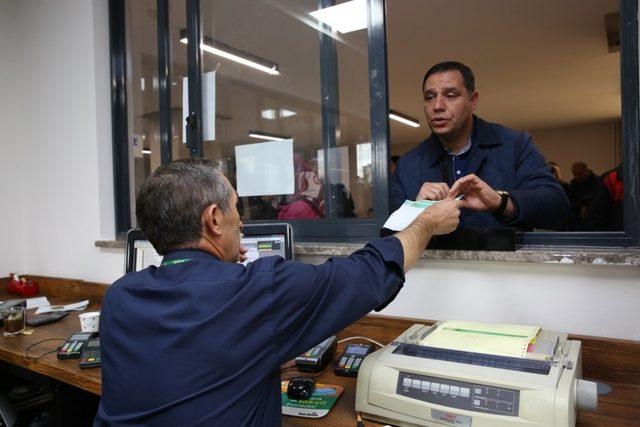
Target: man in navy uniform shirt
(504, 178)
(200, 339)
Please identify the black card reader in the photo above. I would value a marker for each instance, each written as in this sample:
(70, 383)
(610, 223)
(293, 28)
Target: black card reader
(90, 357)
(72, 348)
(351, 359)
(317, 358)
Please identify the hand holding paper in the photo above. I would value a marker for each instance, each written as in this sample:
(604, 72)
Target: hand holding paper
(444, 216)
(409, 211)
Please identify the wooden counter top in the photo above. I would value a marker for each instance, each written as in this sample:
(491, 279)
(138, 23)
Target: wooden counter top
(614, 362)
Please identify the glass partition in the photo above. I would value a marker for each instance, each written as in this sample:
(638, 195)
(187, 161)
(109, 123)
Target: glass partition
(286, 109)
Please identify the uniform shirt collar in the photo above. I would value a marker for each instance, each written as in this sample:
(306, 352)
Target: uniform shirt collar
(194, 254)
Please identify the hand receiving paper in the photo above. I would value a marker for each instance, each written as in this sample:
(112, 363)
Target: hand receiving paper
(433, 191)
(478, 195)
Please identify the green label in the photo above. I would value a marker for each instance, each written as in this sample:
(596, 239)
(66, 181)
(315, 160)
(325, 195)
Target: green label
(175, 261)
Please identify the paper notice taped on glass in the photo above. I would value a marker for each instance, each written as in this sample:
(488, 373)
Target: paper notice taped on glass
(400, 219)
(265, 168)
(486, 338)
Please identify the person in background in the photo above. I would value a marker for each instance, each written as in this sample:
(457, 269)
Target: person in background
(200, 339)
(589, 200)
(613, 181)
(308, 200)
(555, 171)
(502, 175)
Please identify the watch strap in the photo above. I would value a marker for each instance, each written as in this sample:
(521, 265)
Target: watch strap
(504, 200)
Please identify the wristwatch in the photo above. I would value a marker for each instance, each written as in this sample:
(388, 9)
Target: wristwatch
(504, 200)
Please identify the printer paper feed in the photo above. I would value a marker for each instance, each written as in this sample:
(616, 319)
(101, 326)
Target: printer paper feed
(486, 338)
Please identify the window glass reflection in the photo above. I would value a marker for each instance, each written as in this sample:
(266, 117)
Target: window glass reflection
(271, 61)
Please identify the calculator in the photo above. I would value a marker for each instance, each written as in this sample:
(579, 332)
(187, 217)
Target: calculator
(73, 346)
(90, 357)
(351, 359)
(43, 319)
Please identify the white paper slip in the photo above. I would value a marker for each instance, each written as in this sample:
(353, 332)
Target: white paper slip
(37, 302)
(78, 306)
(400, 219)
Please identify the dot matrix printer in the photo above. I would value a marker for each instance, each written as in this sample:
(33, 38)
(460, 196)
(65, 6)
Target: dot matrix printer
(415, 381)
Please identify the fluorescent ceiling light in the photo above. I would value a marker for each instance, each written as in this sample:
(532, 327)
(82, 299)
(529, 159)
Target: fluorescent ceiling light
(269, 114)
(404, 119)
(284, 113)
(231, 53)
(272, 114)
(146, 151)
(268, 136)
(344, 17)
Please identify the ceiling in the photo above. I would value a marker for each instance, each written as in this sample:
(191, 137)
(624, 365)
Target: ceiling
(538, 64)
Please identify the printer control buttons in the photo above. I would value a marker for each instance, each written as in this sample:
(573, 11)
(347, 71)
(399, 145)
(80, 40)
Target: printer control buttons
(459, 395)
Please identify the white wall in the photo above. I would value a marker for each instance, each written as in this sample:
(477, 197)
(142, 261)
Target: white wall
(11, 204)
(62, 81)
(596, 144)
(589, 300)
(581, 299)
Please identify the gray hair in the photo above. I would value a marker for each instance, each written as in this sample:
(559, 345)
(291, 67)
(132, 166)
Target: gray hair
(170, 203)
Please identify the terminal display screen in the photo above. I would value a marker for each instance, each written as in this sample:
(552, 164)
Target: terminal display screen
(261, 246)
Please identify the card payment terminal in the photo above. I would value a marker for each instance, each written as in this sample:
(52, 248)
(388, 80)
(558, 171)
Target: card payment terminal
(74, 344)
(315, 359)
(90, 357)
(351, 358)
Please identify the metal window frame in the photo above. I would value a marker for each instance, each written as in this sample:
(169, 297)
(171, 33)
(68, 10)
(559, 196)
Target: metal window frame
(119, 125)
(354, 229)
(164, 79)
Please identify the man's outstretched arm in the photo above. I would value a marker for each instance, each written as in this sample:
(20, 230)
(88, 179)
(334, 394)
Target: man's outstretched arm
(441, 218)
